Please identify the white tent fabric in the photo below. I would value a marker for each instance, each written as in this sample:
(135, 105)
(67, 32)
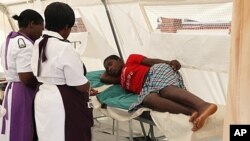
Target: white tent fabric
(205, 56)
(208, 54)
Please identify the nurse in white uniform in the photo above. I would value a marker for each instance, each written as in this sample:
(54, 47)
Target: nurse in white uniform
(61, 110)
(18, 122)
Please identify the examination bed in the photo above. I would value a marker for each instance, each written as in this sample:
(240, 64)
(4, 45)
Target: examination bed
(114, 102)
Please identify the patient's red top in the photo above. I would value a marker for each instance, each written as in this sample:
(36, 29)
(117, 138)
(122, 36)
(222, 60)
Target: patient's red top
(133, 74)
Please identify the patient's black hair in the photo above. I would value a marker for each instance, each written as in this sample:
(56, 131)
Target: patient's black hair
(111, 57)
(58, 15)
(28, 16)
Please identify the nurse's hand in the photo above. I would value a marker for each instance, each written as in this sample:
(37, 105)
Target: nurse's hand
(93, 92)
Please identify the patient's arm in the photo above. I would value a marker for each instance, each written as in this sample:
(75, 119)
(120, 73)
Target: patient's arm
(105, 78)
(151, 61)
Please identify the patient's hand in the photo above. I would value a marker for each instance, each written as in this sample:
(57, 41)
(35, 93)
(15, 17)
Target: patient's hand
(93, 92)
(176, 65)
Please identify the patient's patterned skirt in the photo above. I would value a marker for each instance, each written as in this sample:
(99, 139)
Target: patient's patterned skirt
(159, 77)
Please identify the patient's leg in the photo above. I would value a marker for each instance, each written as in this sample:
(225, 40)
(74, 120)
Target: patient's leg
(193, 116)
(157, 103)
(184, 97)
(200, 120)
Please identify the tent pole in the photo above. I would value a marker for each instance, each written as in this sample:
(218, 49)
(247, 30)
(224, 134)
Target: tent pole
(113, 30)
(14, 28)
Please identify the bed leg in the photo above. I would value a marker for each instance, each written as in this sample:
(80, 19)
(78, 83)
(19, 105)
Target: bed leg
(143, 130)
(113, 128)
(151, 130)
(130, 130)
(117, 130)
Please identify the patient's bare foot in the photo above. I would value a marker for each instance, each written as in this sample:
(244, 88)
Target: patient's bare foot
(193, 116)
(204, 114)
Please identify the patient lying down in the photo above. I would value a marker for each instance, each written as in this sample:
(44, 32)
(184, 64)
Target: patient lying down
(159, 85)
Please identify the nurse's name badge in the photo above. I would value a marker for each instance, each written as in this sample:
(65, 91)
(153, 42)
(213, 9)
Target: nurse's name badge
(21, 43)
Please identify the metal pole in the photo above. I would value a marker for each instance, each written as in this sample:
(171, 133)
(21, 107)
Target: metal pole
(112, 28)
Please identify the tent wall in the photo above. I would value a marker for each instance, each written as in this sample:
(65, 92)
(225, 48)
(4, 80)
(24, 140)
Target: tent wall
(5, 25)
(208, 54)
(207, 72)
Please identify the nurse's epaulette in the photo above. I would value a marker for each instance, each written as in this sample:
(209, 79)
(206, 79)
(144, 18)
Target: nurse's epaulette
(21, 43)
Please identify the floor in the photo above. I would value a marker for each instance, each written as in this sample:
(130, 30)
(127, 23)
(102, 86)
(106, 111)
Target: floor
(103, 130)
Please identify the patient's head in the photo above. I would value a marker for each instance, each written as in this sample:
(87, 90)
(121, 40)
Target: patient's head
(113, 65)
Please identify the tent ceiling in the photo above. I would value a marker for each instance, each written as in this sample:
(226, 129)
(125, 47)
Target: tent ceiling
(7, 2)
(80, 2)
(74, 2)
